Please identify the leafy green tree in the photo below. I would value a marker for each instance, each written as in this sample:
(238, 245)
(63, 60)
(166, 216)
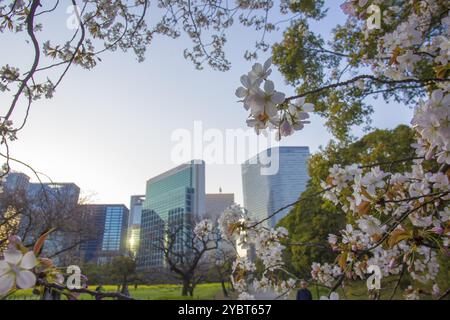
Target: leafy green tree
(123, 268)
(326, 71)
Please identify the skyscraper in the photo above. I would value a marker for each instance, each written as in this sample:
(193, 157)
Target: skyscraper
(35, 208)
(109, 222)
(173, 199)
(266, 191)
(216, 203)
(50, 205)
(16, 181)
(134, 223)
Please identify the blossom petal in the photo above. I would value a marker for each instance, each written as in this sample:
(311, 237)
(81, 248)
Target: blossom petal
(271, 110)
(437, 95)
(25, 279)
(257, 68)
(278, 97)
(6, 283)
(12, 256)
(28, 260)
(245, 81)
(334, 296)
(267, 64)
(241, 92)
(446, 100)
(292, 109)
(362, 3)
(308, 107)
(300, 101)
(269, 87)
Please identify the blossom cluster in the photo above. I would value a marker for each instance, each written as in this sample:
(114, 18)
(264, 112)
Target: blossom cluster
(21, 268)
(268, 107)
(408, 211)
(400, 217)
(15, 270)
(432, 122)
(204, 228)
(248, 236)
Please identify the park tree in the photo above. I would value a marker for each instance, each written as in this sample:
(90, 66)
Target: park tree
(222, 259)
(123, 269)
(185, 248)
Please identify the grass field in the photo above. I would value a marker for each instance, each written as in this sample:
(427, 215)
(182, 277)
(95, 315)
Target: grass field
(355, 291)
(205, 291)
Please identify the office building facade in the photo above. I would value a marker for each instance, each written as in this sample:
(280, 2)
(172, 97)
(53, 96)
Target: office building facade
(172, 202)
(57, 201)
(266, 191)
(216, 203)
(16, 182)
(43, 206)
(134, 222)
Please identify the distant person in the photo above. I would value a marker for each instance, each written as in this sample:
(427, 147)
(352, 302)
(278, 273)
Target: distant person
(303, 293)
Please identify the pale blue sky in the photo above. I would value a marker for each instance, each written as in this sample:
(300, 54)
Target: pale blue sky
(108, 130)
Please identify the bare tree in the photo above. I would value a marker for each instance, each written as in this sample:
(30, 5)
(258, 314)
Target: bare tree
(185, 254)
(49, 207)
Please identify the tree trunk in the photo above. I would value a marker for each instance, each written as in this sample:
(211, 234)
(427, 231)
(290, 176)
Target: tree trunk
(50, 294)
(185, 289)
(231, 285)
(125, 290)
(224, 289)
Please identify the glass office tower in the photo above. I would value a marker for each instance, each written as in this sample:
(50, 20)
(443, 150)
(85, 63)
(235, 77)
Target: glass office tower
(134, 222)
(110, 223)
(172, 201)
(267, 190)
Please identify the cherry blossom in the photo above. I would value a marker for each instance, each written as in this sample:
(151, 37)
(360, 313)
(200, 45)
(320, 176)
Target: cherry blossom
(204, 228)
(15, 270)
(333, 296)
(268, 107)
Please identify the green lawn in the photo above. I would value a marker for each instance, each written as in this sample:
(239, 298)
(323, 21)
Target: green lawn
(355, 291)
(206, 291)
